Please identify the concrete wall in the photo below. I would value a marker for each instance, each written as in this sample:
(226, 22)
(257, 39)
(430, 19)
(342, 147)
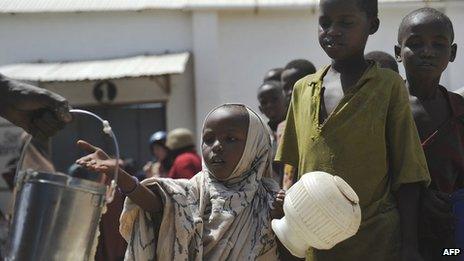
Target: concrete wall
(180, 108)
(456, 14)
(84, 36)
(105, 35)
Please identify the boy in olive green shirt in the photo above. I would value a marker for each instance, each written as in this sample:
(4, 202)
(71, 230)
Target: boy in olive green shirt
(352, 119)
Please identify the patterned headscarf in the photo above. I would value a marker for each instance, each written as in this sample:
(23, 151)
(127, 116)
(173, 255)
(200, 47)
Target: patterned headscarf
(207, 219)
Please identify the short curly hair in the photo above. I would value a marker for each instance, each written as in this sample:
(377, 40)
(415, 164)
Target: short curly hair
(439, 16)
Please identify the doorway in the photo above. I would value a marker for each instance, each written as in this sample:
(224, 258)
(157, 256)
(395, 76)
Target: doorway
(132, 125)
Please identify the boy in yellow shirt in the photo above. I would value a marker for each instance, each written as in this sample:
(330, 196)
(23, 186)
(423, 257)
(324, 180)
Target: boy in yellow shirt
(353, 119)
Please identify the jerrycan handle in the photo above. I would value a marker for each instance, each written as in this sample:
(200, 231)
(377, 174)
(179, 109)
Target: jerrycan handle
(106, 129)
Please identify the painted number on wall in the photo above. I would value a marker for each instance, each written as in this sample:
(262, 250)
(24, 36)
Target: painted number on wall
(104, 91)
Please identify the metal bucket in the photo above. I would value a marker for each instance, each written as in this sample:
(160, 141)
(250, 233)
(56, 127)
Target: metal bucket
(56, 216)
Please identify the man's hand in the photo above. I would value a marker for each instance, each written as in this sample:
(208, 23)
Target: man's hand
(38, 111)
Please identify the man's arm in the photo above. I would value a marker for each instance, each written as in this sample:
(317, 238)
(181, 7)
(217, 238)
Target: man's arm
(38, 111)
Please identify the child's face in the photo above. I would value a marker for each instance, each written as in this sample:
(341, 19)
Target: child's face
(272, 102)
(224, 139)
(289, 78)
(159, 152)
(344, 28)
(425, 47)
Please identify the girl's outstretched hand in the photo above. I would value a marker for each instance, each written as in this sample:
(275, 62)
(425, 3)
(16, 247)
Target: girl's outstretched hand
(97, 160)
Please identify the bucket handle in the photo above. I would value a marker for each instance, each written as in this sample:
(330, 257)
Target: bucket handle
(106, 129)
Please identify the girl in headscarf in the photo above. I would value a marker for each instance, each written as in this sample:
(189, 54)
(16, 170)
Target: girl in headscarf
(222, 213)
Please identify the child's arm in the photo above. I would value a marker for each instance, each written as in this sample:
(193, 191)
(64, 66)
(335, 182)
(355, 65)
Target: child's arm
(290, 176)
(408, 206)
(99, 161)
(407, 166)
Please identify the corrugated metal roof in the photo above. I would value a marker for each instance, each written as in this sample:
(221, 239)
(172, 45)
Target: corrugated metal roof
(40, 6)
(137, 66)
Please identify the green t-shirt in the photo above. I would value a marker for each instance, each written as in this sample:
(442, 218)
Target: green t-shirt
(370, 140)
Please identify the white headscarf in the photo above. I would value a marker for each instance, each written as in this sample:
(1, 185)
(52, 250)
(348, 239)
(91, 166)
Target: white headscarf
(207, 219)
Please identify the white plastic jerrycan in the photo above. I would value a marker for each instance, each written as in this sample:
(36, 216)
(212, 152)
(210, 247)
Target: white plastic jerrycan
(321, 210)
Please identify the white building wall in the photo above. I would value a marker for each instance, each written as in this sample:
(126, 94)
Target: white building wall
(180, 108)
(85, 36)
(104, 35)
(456, 77)
(207, 57)
(251, 43)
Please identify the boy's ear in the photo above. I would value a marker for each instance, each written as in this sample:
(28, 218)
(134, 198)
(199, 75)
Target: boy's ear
(375, 23)
(398, 53)
(454, 50)
(260, 109)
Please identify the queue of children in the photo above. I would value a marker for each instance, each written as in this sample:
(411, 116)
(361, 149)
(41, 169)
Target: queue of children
(399, 143)
(274, 96)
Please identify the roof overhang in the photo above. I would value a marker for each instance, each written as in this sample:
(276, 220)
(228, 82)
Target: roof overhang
(137, 66)
(52, 6)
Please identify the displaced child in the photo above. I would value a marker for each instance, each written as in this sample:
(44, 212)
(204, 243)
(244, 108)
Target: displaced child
(384, 59)
(293, 71)
(271, 98)
(160, 166)
(352, 119)
(273, 74)
(222, 213)
(185, 160)
(426, 46)
(272, 103)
